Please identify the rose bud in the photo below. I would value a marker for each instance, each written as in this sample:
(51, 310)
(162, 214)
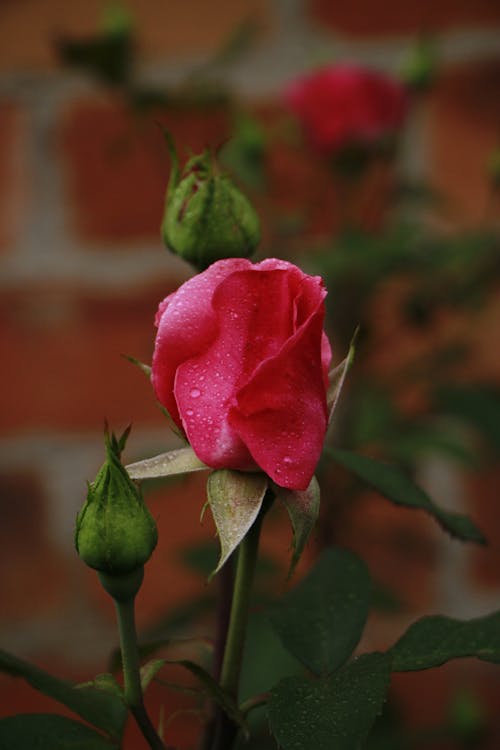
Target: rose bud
(341, 106)
(206, 217)
(419, 70)
(115, 532)
(241, 365)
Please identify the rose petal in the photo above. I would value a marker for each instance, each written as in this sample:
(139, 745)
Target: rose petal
(281, 413)
(253, 323)
(187, 325)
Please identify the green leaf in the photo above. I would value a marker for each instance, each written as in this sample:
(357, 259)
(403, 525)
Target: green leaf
(235, 499)
(334, 713)
(181, 461)
(397, 487)
(321, 620)
(303, 509)
(100, 708)
(265, 659)
(476, 405)
(49, 732)
(432, 641)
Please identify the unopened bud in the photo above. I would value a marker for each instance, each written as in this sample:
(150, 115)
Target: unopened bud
(207, 218)
(115, 532)
(419, 69)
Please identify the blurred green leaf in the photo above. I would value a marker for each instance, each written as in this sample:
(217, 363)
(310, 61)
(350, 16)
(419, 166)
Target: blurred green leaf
(432, 641)
(100, 708)
(265, 659)
(107, 56)
(243, 154)
(49, 732)
(476, 405)
(335, 712)
(321, 620)
(393, 484)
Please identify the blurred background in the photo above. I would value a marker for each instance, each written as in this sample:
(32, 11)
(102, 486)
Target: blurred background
(406, 237)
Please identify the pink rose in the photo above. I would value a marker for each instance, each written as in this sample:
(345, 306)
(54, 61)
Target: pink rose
(346, 104)
(241, 364)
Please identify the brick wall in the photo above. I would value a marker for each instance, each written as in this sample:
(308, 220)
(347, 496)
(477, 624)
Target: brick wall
(82, 269)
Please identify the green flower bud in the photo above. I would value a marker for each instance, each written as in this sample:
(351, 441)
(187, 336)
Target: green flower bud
(206, 217)
(115, 532)
(419, 70)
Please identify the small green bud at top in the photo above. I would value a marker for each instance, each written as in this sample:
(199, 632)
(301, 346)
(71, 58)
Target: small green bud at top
(115, 532)
(419, 70)
(207, 218)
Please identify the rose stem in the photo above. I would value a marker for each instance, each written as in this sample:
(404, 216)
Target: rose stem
(131, 672)
(224, 599)
(233, 654)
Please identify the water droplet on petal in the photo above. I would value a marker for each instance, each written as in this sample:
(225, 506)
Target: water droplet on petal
(195, 393)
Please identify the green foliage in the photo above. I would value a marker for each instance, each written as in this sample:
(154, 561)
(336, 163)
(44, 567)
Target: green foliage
(265, 659)
(332, 712)
(433, 641)
(476, 405)
(393, 484)
(99, 707)
(321, 620)
(49, 732)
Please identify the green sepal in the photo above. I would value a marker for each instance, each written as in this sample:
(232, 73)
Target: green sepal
(235, 499)
(181, 461)
(337, 376)
(303, 510)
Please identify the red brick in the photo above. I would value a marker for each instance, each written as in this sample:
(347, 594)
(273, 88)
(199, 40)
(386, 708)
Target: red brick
(164, 31)
(117, 164)
(34, 579)
(61, 353)
(464, 113)
(12, 172)
(362, 18)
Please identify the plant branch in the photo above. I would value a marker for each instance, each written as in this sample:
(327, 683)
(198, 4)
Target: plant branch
(131, 672)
